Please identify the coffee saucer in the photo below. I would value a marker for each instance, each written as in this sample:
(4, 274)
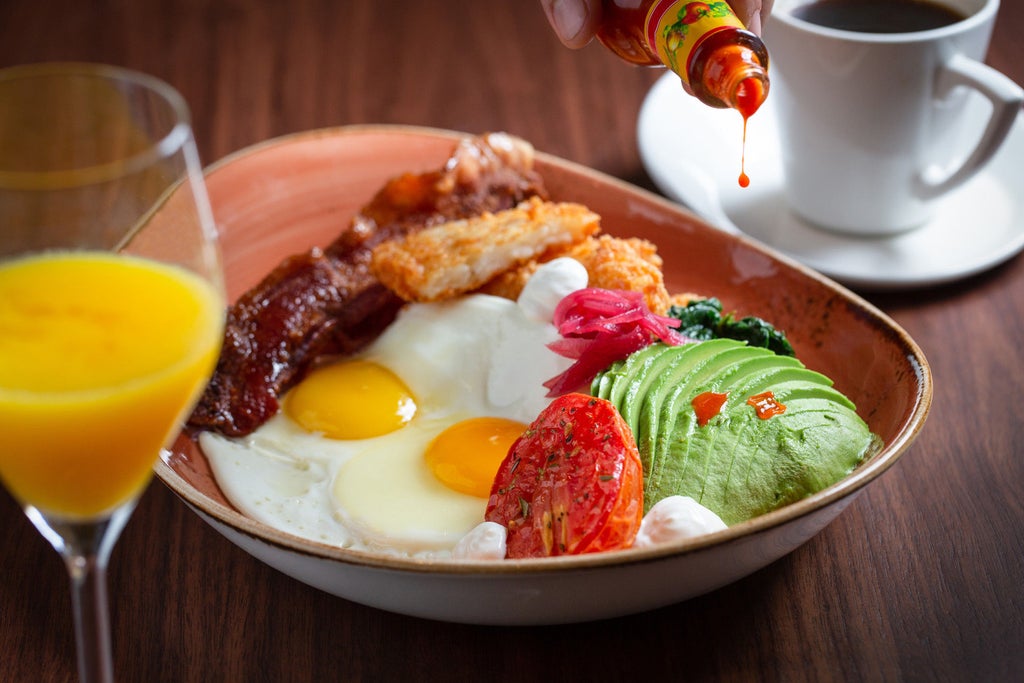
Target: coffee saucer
(692, 153)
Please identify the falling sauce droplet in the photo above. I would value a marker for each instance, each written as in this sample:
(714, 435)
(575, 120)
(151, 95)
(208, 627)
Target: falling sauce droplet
(744, 179)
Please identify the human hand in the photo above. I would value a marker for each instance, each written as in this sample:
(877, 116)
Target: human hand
(575, 21)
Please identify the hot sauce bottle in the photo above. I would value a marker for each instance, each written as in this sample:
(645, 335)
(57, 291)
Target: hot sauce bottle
(718, 59)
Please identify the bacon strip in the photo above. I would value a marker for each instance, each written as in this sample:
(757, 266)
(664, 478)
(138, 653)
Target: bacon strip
(327, 302)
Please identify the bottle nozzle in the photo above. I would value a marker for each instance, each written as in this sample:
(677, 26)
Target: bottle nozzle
(736, 75)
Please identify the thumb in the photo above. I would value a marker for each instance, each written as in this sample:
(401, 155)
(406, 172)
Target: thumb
(574, 21)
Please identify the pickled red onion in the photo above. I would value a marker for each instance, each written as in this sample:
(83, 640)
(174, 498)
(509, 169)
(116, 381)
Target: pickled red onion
(600, 327)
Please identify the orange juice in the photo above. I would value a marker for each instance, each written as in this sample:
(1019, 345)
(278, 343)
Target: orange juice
(101, 357)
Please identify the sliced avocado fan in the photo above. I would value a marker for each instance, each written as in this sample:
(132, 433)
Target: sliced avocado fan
(739, 464)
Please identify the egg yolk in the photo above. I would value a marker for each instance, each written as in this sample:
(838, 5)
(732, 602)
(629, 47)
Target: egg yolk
(351, 400)
(465, 457)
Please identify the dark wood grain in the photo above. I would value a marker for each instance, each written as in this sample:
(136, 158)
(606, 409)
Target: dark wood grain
(920, 579)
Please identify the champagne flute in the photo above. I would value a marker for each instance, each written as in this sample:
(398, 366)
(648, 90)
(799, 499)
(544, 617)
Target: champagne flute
(111, 307)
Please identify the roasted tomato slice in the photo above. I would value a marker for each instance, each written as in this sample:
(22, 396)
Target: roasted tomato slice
(571, 484)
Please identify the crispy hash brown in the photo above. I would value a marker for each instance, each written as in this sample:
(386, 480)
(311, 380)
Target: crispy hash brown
(461, 256)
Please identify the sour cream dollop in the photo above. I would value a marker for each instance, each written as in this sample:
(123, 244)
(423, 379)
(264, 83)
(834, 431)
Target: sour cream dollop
(553, 281)
(485, 542)
(676, 518)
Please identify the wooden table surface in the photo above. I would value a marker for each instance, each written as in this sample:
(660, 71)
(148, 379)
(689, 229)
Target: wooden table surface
(921, 578)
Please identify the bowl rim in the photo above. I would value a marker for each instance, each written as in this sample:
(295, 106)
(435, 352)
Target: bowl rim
(848, 486)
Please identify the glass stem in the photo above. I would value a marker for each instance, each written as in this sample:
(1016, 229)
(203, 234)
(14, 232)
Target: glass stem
(86, 547)
(88, 574)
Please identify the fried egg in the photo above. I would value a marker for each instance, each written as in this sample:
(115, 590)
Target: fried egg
(394, 450)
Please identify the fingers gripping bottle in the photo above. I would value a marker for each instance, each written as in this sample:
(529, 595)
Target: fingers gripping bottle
(720, 61)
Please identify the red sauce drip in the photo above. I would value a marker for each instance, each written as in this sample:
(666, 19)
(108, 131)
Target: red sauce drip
(765, 405)
(744, 179)
(707, 405)
(749, 98)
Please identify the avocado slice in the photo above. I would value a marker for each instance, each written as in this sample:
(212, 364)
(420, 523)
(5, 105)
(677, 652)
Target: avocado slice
(722, 359)
(738, 464)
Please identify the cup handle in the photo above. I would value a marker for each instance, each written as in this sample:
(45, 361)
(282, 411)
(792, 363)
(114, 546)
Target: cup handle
(1006, 98)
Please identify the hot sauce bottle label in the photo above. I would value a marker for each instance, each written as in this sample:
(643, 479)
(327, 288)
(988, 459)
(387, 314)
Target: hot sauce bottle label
(675, 27)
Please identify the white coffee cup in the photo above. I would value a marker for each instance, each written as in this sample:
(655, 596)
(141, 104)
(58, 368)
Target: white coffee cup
(872, 125)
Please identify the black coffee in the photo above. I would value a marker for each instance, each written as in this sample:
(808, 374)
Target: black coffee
(878, 16)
